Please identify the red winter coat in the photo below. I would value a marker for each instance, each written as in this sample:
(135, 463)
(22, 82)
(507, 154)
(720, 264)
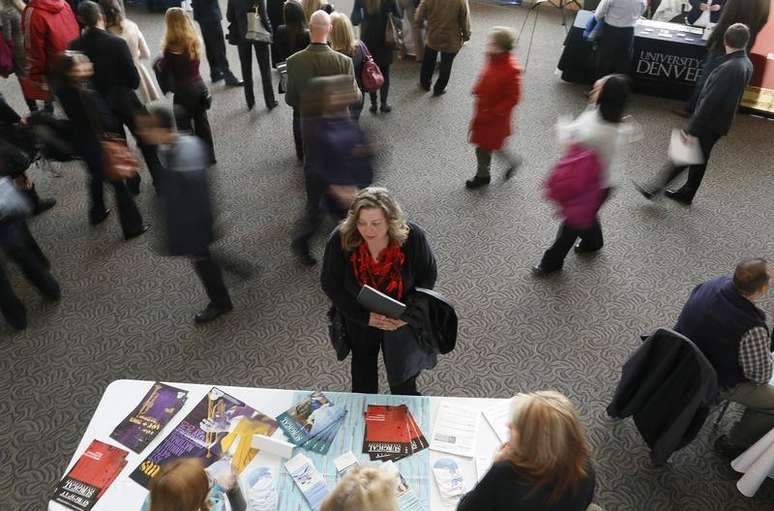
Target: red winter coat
(48, 27)
(497, 91)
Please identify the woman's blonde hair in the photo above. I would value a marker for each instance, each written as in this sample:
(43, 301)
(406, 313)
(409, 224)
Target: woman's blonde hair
(363, 488)
(312, 6)
(342, 36)
(180, 485)
(373, 198)
(180, 34)
(549, 446)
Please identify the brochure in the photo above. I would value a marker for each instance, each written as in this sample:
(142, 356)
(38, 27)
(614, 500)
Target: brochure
(391, 433)
(219, 425)
(313, 423)
(156, 409)
(91, 475)
(456, 430)
(308, 480)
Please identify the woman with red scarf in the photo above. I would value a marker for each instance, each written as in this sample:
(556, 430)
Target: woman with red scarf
(376, 246)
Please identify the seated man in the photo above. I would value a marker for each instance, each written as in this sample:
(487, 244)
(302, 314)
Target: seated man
(724, 323)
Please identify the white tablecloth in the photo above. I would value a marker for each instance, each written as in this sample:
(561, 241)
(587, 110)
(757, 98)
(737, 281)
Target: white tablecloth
(122, 396)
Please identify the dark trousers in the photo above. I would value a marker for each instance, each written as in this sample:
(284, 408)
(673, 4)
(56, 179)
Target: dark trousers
(262, 56)
(313, 214)
(128, 214)
(297, 137)
(211, 277)
(365, 366)
(20, 247)
(149, 152)
(484, 161)
(385, 89)
(591, 241)
(695, 172)
(428, 67)
(215, 48)
(194, 115)
(614, 50)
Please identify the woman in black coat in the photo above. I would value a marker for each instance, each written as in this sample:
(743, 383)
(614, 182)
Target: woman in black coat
(237, 13)
(376, 246)
(276, 18)
(372, 16)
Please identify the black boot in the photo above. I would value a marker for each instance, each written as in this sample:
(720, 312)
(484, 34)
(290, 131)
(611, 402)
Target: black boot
(38, 205)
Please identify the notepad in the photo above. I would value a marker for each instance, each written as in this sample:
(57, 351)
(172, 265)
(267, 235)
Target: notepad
(378, 302)
(684, 152)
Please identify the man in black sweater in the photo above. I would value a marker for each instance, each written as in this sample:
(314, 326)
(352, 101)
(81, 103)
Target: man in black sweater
(718, 101)
(115, 80)
(207, 14)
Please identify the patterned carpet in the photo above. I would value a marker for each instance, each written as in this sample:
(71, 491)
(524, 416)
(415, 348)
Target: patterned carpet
(127, 312)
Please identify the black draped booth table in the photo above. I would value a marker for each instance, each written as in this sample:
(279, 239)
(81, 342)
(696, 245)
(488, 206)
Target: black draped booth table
(666, 58)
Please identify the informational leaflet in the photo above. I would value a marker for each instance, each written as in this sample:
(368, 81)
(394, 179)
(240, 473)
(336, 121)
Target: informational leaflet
(92, 474)
(456, 430)
(407, 498)
(345, 463)
(313, 423)
(498, 416)
(308, 480)
(449, 479)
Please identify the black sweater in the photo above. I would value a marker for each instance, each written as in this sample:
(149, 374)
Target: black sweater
(503, 488)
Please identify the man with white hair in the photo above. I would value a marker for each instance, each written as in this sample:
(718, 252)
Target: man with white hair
(315, 61)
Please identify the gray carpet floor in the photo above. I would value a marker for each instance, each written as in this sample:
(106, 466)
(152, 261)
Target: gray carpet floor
(126, 312)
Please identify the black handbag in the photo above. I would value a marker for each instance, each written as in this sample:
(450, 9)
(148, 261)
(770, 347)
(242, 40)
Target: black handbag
(337, 331)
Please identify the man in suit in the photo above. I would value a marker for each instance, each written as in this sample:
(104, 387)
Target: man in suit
(718, 101)
(115, 80)
(317, 60)
(207, 14)
(722, 320)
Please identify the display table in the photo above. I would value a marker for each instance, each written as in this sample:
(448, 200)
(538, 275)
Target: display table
(666, 61)
(122, 396)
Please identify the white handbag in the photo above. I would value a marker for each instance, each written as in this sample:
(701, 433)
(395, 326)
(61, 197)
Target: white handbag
(255, 29)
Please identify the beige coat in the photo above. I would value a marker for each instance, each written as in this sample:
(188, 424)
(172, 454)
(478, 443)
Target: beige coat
(130, 32)
(448, 23)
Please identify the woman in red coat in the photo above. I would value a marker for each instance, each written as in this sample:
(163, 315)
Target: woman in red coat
(497, 91)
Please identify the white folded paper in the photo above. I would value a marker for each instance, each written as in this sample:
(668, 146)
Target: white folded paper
(757, 463)
(684, 152)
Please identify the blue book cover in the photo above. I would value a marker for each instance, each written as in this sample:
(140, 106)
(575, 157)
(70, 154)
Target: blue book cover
(299, 421)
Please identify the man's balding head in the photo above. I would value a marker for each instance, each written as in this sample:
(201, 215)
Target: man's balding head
(752, 277)
(319, 27)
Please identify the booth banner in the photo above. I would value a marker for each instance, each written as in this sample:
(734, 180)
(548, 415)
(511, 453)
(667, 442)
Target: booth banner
(760, 94)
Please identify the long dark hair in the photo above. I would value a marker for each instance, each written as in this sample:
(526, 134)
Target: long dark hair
(753, 13)
(295, 21)
(613, 98)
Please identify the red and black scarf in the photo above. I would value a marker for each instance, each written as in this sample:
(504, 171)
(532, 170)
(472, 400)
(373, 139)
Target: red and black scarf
(384, 275)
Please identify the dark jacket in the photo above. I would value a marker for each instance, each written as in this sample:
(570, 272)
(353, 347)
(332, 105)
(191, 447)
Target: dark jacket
(715, 319)
(695, 13)
(89, 116)
(115, 75)
(403, 356)
(373, 27)
(720, 96)
(236, 14)
(504, 488)
(206, 10)
(669, 386)
(433, 320)
(287, 45)
(185, 198)
(347, 158)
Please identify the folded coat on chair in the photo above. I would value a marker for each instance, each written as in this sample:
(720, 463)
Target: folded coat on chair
(669, 386)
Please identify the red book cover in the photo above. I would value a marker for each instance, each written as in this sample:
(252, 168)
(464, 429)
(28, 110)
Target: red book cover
(387, 431)
(92, 474)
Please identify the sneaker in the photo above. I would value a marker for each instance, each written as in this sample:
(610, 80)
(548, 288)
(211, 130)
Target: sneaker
(477, 182)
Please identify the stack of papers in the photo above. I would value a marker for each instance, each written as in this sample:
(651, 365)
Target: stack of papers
(91, 476)
(313, 423)
(391, 433)
(456, 430)
(308, 480)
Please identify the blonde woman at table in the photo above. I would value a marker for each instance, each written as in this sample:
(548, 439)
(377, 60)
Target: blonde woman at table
(183, 485)
(376, 246)
(363, 488)
(544, 466)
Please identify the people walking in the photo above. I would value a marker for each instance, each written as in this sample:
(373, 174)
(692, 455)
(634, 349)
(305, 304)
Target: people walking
(497, 92)
(715, 110)
(117, 24)
(378, 247)
(317, 60)
(581, 182)
(448, 28)
(186, 205)
(181, 58)
(237, 14)
(343, 41)
(373, 17)
(207, 14)
(115, 78)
